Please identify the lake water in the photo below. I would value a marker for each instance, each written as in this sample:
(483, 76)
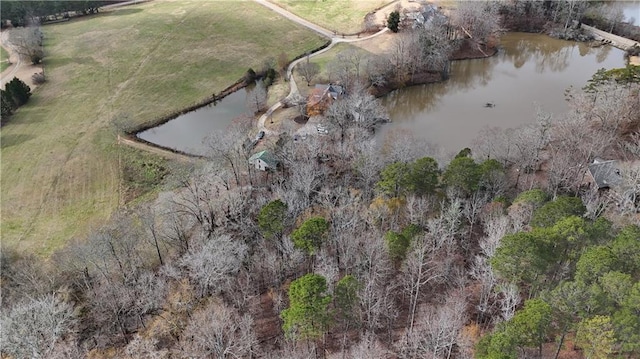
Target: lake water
(530, 71)
(631, 10)
(188, 132)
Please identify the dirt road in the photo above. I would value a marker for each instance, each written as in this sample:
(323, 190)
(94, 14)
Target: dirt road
(293, 87)
(18, 68)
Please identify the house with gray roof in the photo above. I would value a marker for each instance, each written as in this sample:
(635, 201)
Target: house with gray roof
(264, 161)
(605, 174)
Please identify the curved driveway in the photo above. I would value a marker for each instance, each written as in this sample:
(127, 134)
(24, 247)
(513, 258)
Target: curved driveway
(16, 65)
(319, 29)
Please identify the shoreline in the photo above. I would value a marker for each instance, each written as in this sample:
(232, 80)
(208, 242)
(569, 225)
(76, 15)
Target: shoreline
(423, 78)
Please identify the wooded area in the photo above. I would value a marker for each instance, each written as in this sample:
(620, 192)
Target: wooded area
(352, 249)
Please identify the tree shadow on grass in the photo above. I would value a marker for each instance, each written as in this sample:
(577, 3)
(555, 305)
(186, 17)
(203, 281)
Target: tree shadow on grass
(14, 139)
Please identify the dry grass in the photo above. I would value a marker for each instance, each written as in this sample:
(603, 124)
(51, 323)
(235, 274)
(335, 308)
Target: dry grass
(324, 62)
(341, 16)
(61, 169)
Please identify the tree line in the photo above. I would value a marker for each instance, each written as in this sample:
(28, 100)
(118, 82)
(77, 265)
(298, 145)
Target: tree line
(20, 13)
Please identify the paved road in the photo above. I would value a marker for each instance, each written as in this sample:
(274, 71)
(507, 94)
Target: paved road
(293, 87)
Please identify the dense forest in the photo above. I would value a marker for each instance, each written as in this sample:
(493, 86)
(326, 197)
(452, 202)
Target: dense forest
(358, 249)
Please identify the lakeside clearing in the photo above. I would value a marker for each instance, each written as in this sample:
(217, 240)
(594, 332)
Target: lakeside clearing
(62, 172)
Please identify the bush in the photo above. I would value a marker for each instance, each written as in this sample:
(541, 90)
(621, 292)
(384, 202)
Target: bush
(269, 77)
(250, 76)
(38, 78)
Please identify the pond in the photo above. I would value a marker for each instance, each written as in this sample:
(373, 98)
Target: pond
(530, 71)
(188, 132)
(631, 10)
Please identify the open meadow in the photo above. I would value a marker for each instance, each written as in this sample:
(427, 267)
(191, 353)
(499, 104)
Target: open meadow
(341, 16)
(62, 172)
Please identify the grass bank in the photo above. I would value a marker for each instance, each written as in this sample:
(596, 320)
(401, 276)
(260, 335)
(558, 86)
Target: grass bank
(62, 173)
(4, 59)
(341, 16)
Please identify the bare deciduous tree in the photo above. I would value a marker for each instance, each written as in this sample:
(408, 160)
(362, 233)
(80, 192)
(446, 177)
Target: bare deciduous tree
(308, 70)
(509, 300)
(27, 42)
(437, 331)
(219, 332)
(257, 98)
(212, 263)
(480, 20)
(31, 329)
(419, 269)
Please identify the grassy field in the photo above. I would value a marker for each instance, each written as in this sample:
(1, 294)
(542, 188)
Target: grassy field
(342, 16)
(4, 59)
(62, 173)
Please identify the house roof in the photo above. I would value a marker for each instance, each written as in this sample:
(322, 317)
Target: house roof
(605, 173)
(316, 96)
(266, 157)
(320, 91)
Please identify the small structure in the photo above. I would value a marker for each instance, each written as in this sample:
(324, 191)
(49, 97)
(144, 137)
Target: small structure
(321, 97)
(605, 174)
(263, 161)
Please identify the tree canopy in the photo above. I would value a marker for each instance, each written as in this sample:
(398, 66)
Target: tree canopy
(307, 316)
(271, 219)
(310, 235)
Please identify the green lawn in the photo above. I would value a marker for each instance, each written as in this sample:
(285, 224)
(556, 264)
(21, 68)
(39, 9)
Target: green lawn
(61, 170)
(342, 16)
(4, 59)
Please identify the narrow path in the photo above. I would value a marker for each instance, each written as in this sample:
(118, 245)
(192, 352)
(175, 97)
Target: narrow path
(335, 39)
(123, 140)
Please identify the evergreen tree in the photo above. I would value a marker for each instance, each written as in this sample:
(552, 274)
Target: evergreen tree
(307, 316)
(18, 91)
(393, 21)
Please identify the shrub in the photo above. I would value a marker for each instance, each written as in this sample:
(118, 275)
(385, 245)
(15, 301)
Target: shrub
(38, 78)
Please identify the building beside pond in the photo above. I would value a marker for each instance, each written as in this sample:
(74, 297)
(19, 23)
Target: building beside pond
(605, 174)
(321, 97)
(264, 161)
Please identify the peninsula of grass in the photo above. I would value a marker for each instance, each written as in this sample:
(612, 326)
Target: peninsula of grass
(340, 16)
(62, 172)
(324, 61)
(4, 59)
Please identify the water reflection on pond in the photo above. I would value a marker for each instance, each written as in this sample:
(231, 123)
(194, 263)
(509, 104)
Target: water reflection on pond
(531, 70)
(188, 132)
